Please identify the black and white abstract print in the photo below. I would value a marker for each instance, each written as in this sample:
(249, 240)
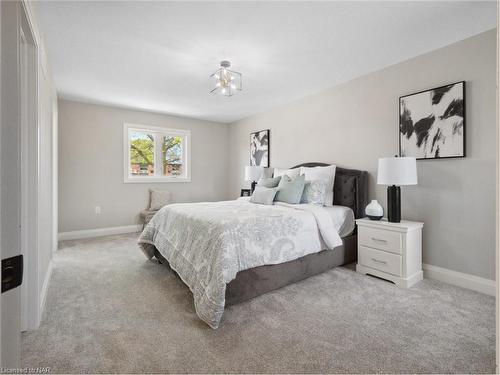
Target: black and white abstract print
(432, 123)
(259, 148)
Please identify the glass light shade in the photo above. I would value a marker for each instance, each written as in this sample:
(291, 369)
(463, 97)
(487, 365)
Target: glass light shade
(225, 81)
(253, 172)
(397, 171)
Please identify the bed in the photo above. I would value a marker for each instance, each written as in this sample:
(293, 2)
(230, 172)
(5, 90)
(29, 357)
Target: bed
(245, 268)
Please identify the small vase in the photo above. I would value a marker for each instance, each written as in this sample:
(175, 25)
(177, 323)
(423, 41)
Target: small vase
(374, 210)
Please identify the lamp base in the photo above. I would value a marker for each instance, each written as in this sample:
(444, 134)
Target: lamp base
(252, 188)
(394, 204)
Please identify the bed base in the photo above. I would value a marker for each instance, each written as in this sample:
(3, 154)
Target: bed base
(259, 280)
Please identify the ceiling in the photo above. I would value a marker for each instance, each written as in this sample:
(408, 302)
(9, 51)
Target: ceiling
(157, 56)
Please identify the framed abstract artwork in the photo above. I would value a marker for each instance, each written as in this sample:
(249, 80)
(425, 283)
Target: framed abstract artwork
(259, 148)
(432, 123)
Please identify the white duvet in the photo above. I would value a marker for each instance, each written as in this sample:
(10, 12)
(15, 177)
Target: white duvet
(207, 244)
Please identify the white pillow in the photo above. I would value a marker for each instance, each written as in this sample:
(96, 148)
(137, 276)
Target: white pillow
(314, 192)
(322, 173)
(292, 173)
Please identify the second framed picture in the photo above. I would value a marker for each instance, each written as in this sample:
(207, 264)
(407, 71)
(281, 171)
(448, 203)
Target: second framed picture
(432, 123)
(259, 148)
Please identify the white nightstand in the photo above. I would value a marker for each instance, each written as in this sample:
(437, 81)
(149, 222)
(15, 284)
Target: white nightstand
(391, 251)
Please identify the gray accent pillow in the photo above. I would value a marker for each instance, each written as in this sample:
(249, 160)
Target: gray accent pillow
(290, 189)
(314, 192)
(159, 198)
(269, 182)
(263, 195)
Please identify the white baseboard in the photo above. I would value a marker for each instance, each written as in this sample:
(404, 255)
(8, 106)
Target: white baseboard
(464, 280)
(99, 232)
(45, 287)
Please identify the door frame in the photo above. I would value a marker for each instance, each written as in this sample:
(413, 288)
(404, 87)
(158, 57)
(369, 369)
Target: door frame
(1, 124)
(497, 234)
(30, 151)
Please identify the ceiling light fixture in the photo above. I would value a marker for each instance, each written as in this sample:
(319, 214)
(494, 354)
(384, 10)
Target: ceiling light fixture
(224, 81)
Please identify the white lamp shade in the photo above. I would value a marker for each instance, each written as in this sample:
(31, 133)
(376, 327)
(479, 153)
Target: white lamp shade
(253, 172)
(397, 171)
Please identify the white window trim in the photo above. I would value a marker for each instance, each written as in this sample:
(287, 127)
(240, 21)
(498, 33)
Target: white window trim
(186, 134)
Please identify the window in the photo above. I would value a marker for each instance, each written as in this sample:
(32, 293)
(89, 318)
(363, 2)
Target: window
(155, 154)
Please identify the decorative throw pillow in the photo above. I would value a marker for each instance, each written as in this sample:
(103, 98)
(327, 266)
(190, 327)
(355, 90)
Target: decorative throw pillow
(159, 198)
(289, 172)
(322, 173)
(314, 192)
(290, 189)
(269, 182)
(263, 195)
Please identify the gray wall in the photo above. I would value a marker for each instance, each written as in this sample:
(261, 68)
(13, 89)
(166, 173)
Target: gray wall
(355, 123)
(91, 165)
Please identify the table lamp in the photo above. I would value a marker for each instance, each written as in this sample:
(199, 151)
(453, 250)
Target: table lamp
(396, 172)
(253, 173)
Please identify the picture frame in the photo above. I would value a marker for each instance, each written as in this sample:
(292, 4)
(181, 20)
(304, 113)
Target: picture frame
(432, 123)
(260, 148)
(245, 193)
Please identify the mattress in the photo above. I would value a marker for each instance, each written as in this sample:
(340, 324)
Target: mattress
(343, 219)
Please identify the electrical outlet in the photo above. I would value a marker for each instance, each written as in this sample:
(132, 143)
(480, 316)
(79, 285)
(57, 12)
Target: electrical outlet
(97, 210)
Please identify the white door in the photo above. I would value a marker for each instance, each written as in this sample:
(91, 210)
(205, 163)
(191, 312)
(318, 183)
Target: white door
(15, 78)
(10, 177)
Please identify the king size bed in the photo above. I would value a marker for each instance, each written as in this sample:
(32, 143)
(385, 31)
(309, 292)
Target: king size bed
(229, 252)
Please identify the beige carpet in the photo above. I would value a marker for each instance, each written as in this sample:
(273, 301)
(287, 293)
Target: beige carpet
(111, 310)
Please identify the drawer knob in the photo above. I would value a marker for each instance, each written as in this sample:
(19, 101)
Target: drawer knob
(379, 261)
(379, 240)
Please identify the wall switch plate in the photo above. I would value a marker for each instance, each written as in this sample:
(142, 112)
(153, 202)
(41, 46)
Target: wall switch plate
(12, 272)
(97, 210)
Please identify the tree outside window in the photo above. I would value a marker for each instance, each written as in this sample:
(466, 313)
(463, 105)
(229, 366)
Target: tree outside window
(156, 154)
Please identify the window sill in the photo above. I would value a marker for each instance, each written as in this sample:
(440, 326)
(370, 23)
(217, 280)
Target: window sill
(150, 180)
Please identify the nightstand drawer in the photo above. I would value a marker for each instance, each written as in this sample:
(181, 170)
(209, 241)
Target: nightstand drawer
(380, 239)
(380, 260)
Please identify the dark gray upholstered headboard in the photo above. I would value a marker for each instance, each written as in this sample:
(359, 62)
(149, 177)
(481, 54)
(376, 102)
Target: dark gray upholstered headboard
(350, 188)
